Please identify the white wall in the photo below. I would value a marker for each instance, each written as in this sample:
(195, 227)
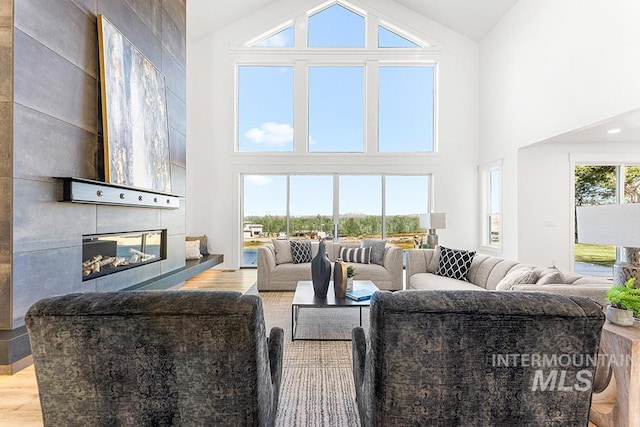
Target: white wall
(545, 204)
(213, 172)
(549, 67)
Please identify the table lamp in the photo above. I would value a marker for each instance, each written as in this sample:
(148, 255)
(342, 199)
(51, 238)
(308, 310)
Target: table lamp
(433, 221)
(613, 225)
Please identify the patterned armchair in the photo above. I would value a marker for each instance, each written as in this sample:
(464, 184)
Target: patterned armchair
(155, 358)
(447, 358)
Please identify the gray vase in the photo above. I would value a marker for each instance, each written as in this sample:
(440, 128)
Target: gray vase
(321, 271)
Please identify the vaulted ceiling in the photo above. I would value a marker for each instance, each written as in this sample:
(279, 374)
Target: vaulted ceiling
(471, 18)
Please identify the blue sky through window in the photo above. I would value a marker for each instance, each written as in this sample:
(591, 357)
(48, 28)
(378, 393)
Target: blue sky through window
(265, 108)
(387, 38)
(284, 38)
(405, 118)
(336, 109)
(336, 26)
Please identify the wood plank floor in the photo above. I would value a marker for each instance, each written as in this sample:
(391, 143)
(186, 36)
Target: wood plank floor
(19, 402)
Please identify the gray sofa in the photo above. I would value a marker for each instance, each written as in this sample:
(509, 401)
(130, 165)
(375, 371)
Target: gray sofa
(486, 272)
(275, 276)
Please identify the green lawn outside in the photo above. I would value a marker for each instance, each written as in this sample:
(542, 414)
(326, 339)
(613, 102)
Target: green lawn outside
(595, 254)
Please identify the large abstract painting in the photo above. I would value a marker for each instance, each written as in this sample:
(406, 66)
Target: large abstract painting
(134, 114)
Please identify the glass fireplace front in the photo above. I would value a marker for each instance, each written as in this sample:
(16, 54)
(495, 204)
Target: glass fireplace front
(104, 254)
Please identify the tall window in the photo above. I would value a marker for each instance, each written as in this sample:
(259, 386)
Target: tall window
(336, 109)
(602, 185)
(308, 207)
(491, 205)
(343, 89)
(265, 108)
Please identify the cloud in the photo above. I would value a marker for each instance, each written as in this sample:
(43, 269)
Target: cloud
(271, 134)
(260, 180)
(278, 40)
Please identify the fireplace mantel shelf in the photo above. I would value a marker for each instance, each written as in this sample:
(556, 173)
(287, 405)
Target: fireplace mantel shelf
(81, 190)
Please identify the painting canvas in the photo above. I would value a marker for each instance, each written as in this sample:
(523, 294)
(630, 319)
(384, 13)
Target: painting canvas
(134, 114)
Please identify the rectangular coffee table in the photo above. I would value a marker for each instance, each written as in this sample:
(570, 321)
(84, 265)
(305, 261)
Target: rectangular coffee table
(305, 298)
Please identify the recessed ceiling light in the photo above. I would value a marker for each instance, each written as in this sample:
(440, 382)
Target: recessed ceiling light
(614, 130)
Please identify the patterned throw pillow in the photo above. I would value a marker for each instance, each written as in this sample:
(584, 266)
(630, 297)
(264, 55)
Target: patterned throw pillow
(454, 263)
(300, 252)
(377, 249)
(357, 255)
(517, 277)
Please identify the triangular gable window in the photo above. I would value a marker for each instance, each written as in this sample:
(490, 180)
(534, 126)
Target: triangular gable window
(388, 38)
(283, 38)
(336, 26)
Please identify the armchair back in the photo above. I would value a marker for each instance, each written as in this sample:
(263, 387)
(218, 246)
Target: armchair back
(155, 358)
(445, 358)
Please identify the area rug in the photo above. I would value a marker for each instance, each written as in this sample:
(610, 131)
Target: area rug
(317, 382)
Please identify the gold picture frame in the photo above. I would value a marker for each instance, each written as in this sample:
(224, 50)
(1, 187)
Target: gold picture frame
(134, 114)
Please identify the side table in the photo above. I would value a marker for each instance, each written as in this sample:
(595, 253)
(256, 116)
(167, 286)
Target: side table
(619, 403)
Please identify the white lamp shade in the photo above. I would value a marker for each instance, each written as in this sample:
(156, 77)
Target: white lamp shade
(612, 225)
(433, 220)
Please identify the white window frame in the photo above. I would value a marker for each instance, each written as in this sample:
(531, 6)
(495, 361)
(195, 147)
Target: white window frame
(370, 58)
(486, 213)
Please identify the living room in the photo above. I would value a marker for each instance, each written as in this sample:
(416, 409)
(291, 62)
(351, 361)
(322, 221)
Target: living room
(533, 90)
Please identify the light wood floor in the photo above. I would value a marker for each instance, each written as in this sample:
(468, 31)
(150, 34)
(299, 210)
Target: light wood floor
(19, 403)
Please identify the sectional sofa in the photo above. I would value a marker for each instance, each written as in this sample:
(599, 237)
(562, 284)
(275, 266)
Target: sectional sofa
(487, 272)
(279, 273)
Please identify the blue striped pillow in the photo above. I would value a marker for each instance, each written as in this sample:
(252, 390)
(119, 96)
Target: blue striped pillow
(357, 255)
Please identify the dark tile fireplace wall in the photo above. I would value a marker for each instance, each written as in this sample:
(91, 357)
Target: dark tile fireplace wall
(50, 126)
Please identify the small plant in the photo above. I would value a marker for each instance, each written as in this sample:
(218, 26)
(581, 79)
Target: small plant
(351, 271)
(625, 297)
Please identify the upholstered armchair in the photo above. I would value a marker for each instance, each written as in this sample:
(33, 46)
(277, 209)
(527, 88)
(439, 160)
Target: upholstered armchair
(155, 358)
(447, 358)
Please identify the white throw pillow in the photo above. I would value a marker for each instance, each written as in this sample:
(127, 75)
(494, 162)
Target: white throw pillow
(283, 251)
(192, 250)
(549, 276)
(517, 277)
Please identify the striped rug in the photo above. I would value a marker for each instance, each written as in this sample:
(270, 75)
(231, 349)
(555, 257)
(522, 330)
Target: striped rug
(317, 382)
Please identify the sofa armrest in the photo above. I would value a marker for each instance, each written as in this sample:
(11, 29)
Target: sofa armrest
(359, 353)
(392, 262)
(595, 292)
(276, 351)
(417, 262)
(266, 263)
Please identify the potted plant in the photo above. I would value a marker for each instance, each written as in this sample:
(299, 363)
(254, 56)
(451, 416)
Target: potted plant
(625, 303)
(351, 273)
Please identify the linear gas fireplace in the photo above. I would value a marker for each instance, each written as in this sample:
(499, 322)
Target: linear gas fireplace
(104, 254)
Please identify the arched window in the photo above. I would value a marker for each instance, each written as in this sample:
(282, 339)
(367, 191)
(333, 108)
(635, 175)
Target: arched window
(336, 79)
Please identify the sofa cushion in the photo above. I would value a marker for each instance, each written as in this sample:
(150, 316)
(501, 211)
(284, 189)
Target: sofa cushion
(454, 263)
(377, 249)
(432, 267)
(300, 252)
(550, 275)
(429, 281)
(359, 255)
(283, 251)
(517, 277)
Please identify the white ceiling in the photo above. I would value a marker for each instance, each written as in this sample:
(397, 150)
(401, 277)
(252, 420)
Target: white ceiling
(628, 123)
(471, 18)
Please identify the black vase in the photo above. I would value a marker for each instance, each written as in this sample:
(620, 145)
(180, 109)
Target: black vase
(321, 271)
